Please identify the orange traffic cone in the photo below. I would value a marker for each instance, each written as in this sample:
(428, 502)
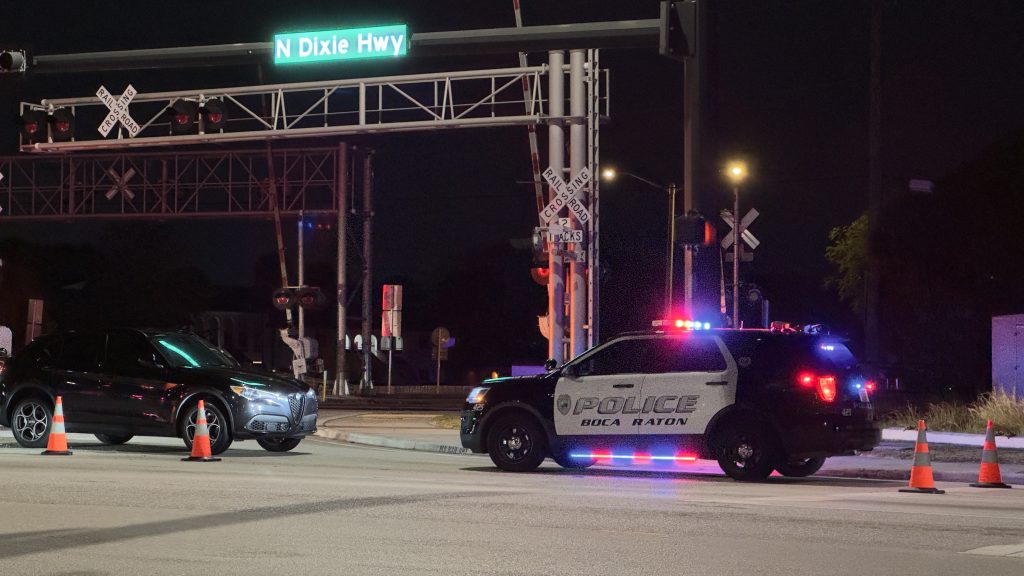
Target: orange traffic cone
(988, 475)
(57, 445)
(921, 480)
(201, 440)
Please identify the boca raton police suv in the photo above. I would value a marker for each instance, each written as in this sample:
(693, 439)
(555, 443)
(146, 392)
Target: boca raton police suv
(755, 400)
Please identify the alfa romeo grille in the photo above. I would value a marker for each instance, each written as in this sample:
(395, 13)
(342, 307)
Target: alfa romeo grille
(295, 405)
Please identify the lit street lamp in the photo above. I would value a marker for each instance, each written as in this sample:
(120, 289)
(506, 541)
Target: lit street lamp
(736, 172)
(609, 174)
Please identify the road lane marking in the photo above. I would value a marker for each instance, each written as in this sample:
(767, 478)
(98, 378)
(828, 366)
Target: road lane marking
(1005, 550)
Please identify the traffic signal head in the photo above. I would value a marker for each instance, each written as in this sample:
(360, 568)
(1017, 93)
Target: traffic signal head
(33, 125)
(214, 115)
(284, 298)
(678, 35)
(12, 61)
(184, 114)
(691, 230)
(62, 124)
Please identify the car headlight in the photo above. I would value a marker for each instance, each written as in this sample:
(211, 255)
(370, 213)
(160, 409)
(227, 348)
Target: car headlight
(311, 394)
(254, 394)
(476, 395)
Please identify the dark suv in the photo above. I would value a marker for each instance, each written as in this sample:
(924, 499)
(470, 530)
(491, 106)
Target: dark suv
(120, 383)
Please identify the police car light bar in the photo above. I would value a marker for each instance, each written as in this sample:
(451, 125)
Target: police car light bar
(636, 457)
(682, 324)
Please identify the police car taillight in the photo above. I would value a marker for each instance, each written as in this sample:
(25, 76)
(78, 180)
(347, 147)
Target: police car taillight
(825, 385)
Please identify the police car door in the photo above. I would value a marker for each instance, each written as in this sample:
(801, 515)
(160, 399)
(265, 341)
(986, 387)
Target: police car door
(593, 390)
(696, 379)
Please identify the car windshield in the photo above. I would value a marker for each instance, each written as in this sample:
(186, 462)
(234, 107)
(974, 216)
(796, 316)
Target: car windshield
(187, 351)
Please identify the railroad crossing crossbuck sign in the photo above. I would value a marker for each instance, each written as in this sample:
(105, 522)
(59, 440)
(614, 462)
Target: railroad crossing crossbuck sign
(118, 111)
(120, 184)
(748, 236)
(567, 194)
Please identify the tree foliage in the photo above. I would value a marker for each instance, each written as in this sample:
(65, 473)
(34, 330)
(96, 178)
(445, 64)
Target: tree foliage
(847, 250)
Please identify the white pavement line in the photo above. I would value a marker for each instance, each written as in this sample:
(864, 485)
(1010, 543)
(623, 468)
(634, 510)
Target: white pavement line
(1006, 550)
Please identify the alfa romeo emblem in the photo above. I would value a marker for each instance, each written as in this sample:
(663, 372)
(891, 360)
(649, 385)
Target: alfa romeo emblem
(563, 403)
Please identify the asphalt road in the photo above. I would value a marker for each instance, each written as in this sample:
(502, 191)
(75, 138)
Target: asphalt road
(337, 509)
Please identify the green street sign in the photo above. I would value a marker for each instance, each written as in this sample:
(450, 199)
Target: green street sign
(335, 45)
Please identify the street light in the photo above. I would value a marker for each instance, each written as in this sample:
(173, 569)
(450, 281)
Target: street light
(736, 172)
(609, 175)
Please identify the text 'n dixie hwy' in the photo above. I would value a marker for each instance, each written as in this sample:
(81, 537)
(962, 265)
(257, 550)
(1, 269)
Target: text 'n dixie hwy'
(327, 45)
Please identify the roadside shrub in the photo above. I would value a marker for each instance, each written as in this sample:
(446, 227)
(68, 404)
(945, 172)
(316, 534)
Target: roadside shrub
(1006, 413)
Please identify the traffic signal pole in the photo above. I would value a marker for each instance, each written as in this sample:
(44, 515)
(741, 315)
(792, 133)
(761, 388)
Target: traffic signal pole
(367, 382)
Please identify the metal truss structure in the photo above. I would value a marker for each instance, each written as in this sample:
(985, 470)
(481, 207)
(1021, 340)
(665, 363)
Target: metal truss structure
(168, 185)
(476, 98)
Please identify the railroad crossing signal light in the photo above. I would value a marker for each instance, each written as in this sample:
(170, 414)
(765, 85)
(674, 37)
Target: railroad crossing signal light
(310, 297)
(184, 114)
(678, 35)
(33, 125)
(284, 298)
(214, 115)
(62, 124)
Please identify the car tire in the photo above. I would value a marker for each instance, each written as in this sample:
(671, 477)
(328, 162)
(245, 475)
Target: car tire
(217, 423)
(801, 467)
(566, 461)
(112, 440)
(745, 450)
(31, 421)
(516, 443)
(278, 444)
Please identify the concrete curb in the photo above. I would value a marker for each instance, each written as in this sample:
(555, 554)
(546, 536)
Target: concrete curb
(388, 442)
(955, 438)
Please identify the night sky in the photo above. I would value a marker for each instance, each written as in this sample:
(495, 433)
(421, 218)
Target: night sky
(789, 91)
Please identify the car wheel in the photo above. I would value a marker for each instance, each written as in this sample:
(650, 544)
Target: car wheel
(278, 444)
(111, 440)
(216, 423)
(516, 443)
(30, 422)
(745, 451)
(566, 461)
(801, 467)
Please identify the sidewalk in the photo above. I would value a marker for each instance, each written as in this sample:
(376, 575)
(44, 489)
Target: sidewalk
(415, 431)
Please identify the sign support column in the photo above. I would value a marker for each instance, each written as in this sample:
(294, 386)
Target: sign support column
(341, 181)
(577, 162)
(367, 383)
(556, 161)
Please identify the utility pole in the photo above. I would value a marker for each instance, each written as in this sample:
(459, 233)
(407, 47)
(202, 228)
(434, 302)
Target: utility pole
(694, 82)
(872, 275)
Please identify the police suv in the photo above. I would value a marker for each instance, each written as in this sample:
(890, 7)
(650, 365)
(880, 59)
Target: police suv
(754, 400)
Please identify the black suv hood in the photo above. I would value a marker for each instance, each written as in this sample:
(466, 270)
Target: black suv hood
(241, 377)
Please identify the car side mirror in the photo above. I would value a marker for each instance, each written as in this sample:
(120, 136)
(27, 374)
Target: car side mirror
(150, 364)
(550, 364)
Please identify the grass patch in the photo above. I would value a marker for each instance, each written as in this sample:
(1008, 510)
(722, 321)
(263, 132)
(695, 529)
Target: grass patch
(446, 421)
(1006, 413)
